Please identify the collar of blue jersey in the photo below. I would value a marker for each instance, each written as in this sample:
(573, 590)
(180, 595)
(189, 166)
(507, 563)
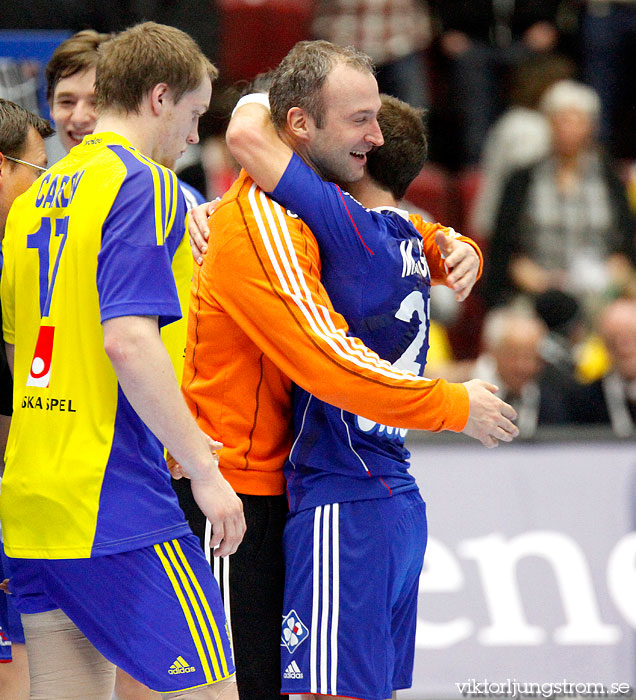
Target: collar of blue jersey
(402, 212)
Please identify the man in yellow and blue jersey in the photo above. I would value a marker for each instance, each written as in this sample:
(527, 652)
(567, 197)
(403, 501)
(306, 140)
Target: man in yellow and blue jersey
(100, 555)
(70, 91)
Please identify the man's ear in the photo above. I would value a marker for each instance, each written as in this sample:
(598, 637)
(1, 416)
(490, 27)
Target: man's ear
(300, 123)
(3, 167)
(158, 95)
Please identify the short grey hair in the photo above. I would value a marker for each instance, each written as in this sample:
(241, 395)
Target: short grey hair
(501, 320)
(568, 94)
(300, 76)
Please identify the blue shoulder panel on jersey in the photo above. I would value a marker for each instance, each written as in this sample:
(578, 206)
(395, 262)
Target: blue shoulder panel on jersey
(134, 274)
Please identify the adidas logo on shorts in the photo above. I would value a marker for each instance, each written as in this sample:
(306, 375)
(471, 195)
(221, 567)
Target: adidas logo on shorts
(181, 666)
(293, 671)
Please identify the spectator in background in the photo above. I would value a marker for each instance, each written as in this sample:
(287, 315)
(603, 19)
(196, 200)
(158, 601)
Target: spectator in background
(512, 360)
(483, 40)
(19, 83)
(611, 400)
(393, 32)
(520, 136)
(564, 223)
(70, 91)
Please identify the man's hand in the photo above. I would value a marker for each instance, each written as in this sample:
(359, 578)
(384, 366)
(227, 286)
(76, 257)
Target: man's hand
(462, 263)
(489, 418)
(198, 228)
(178, 472)
(224, 509)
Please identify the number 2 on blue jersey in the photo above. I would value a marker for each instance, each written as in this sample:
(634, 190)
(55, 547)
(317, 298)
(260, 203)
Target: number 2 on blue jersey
(41, 240)
(413, 303)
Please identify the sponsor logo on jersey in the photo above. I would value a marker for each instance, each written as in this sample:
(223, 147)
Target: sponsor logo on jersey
(181, 666)
(386, 431)
(293, 671)
(294, 631)
(48, 403)
(40, 373)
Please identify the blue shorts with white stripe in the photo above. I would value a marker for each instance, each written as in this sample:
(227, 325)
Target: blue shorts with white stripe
(351, 582)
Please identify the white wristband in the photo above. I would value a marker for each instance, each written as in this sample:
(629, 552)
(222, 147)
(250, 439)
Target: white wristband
(258, 97)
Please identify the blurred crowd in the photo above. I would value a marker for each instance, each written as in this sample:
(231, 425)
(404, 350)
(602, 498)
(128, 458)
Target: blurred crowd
(531, 117)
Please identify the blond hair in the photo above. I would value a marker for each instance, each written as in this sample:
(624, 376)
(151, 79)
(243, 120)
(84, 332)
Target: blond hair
(139, 58)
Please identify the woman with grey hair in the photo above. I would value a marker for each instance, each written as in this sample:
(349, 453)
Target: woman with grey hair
(564, 223)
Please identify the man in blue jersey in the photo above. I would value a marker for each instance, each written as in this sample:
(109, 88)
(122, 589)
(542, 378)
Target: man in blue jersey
(22, 159)
(103, 567)
(349, 616)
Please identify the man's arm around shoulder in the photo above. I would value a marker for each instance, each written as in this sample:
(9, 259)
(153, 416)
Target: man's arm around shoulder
(255, 143)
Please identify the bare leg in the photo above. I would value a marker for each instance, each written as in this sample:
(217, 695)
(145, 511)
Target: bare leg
(222, 690)
(63, 664)
(14, 676)
(128, 688)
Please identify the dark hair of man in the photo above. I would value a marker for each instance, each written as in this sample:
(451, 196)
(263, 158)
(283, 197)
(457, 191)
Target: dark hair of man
(15, 122)
(75, 55)
(298, 79)
(137, 59)
(399, 161)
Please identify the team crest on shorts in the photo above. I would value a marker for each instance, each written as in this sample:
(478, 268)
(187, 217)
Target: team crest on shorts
(294, 632)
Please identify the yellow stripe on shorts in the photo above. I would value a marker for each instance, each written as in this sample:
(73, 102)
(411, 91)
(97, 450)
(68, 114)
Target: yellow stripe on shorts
(204, 602)
(188, 615)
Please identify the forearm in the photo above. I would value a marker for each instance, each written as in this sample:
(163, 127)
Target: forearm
(254, 142)
(147, 378)
(10, 348)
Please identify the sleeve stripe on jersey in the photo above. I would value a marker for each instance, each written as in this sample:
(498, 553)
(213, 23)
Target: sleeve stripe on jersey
(171, 199)
(348, 344)
(327, 330)
(165, 206)
(299, 295)
(294, 284)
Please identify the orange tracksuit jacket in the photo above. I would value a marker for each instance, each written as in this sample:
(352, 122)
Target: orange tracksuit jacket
(261, 320)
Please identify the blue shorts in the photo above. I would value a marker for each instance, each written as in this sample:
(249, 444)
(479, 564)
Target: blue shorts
(10, 625)
(351, 584)
(156, 612)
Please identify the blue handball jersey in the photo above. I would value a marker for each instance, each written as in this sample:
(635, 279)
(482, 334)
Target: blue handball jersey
(377, 277)
(93, 239)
